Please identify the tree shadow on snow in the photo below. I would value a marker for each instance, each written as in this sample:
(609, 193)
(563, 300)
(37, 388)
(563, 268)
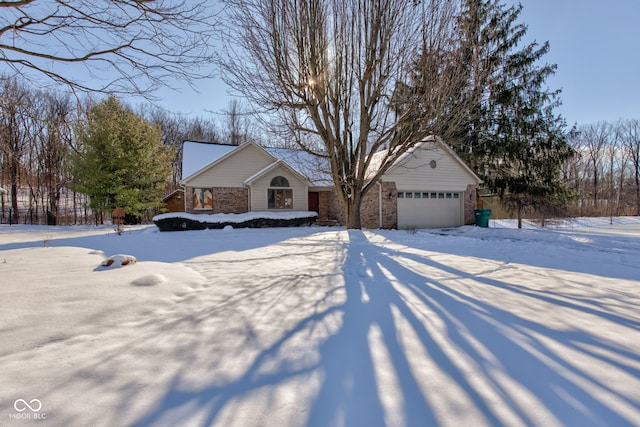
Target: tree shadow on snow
(149, 244)
(450, 355)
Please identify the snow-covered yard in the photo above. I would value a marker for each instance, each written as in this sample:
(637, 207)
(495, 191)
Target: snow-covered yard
(321, 326)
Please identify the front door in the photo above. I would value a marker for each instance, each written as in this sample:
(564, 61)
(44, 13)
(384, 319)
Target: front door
(314, 202)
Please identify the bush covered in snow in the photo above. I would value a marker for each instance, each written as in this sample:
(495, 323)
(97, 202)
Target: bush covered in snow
(178, 221)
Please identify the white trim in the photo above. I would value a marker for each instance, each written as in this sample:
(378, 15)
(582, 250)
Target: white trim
(272, 166)
(440, 143)
(223, 158)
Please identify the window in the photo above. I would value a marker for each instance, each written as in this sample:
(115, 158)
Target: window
(449, 195)
(456, 195)
(279, 181)
(417, 195)
(400, 195)
(202, 198)
(425, 195)
(280, 198)
(409, 195)
(433, 195)
(440, 195)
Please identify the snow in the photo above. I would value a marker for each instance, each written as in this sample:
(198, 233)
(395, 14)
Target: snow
(236, 218)
(118, 260)
(197, 155)
(319, 326)
(315, 169)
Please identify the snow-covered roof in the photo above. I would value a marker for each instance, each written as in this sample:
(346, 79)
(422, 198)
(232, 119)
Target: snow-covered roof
(197, 155)
(380, 156)
(168, 196)
(272, 166)
(315, 169)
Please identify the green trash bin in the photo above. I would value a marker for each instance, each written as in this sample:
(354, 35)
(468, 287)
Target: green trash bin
(482, 217)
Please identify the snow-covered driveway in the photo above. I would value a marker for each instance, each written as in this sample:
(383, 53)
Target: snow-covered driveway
(321, 327)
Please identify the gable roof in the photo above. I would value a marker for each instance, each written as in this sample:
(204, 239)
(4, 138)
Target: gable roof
(378, 157)
(173, 193)
(273, 166)
(315, 169)
(219, 153)
(197, 155)
(200, 156)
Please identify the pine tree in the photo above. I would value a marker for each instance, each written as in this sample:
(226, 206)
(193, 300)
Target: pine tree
(513, 138)
(121, 161)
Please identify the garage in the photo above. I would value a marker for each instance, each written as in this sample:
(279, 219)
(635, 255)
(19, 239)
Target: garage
(429, 209)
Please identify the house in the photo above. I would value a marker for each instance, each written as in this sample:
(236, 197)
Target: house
(427, 187)
(174, 201)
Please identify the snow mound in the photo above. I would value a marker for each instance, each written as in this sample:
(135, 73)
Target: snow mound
(150, 280)
(178, 221)
(119, 260)
(232, 218)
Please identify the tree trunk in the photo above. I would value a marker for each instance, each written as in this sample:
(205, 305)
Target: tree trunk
(520, 213)
(13, 177)
(352, 212)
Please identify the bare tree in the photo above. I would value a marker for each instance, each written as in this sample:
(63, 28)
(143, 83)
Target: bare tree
(618, 164)
(594, 139)
(176, 129)
(236, 127)
(55, 138)
(14, 104)
(108, 46)
(338, 76)
(631, 140)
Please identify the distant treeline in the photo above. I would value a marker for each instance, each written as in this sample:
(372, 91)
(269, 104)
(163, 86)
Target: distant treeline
(37, 136)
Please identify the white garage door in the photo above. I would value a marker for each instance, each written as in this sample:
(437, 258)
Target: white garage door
(419, 209)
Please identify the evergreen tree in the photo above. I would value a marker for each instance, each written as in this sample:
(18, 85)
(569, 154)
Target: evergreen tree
(121, 161)
(513, 138)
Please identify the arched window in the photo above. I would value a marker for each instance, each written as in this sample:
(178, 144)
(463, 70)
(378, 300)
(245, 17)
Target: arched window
(279, 197)
(279, 181)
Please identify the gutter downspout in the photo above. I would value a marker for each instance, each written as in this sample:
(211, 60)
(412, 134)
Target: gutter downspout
(184, 192)
(379, 204)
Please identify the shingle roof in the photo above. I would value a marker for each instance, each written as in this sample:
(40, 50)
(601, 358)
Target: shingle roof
(196, 155)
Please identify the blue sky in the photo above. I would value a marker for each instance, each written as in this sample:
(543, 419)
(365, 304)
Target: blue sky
(595, 44)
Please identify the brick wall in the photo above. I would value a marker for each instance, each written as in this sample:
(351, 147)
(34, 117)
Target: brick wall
(225, 200)
(235, 200)
(470, 204)
(324, 205)
(369, 210)
(336, 212)
(389, 205)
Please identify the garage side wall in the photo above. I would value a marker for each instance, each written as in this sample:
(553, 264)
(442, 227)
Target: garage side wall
(470, 204)
(430, 168)
(370, 208)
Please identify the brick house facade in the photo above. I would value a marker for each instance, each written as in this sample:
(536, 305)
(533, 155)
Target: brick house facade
(428, 186)
(225, 200)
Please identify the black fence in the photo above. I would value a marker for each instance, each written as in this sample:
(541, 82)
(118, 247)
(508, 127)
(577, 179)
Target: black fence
(39, 216)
